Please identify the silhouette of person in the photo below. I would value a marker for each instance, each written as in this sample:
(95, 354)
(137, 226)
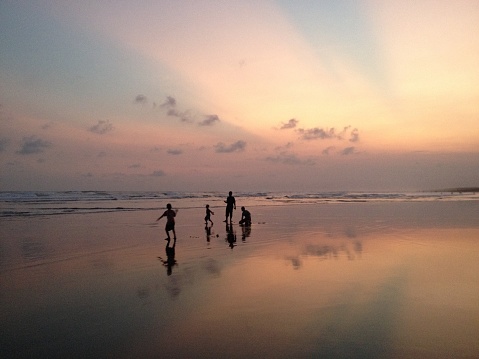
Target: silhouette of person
(170, 222)
(230, 204)
(209, 212)
(245, 217)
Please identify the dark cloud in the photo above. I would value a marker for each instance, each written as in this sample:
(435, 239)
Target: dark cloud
(33, 145)
(348, 151)
(354, 136)
(169, 103)
(290, 124)
(174, 151)
(101, 127)
(285, 147)
(317, 133)
(343, 133)
(289, 159)
(158, 173)
(209, 120)
(47, 126)
(237, 146)
(186, 116)
(327, 150)
(183, 116)
(331, 133)
(135, 165)
(141, 99)
(3, 144)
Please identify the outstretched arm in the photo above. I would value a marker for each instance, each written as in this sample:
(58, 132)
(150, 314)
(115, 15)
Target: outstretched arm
(160, 217)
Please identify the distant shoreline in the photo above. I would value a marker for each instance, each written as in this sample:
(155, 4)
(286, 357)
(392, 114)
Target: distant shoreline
(459, 189)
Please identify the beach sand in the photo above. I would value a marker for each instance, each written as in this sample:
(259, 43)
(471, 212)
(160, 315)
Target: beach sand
(363, 280)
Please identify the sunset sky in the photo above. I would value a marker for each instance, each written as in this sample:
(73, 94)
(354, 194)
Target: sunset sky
(241, 95)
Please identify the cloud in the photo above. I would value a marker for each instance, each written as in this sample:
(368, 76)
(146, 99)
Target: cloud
(175, 151)
(3, 144)
(237, 146)
(183, 116)
(135, 165)
(158, 173)
(354, 136)
(141, 99)
(285, 147)
(291, 124)
(209, 120)
(317, 133)
(33, 145)
(348, 151)
(327, 150)
(343, 132)
(289, 159)
(186, 116)
(331, 133)
(101, 127)
(169, 103)
(48, 125)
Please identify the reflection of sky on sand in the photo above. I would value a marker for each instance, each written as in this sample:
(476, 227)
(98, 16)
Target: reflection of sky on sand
(361, 289)
(397, 280)
(402, 296)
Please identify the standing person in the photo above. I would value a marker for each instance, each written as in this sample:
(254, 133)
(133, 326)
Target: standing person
(209, 212)
(230, 204)
(170, 221)
(245, 217)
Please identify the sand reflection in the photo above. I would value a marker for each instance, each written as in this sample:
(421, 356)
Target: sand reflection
(361, 281)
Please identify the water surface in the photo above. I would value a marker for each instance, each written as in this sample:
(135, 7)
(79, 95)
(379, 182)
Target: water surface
(356, 280)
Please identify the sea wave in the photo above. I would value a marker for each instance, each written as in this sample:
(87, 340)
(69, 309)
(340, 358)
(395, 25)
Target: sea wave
(36, 203)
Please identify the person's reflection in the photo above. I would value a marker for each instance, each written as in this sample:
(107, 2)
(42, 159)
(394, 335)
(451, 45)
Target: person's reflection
(245, 231)
(230, 235)
(208, 232)
(170, 257)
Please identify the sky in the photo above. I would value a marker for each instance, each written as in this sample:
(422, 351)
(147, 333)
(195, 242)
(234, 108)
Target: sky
(239, 95)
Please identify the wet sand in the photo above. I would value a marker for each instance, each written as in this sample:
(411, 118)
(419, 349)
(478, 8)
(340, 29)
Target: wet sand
(364, 280)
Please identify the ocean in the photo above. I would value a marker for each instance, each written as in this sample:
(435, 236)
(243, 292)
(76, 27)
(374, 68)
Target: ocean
(45, 203)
